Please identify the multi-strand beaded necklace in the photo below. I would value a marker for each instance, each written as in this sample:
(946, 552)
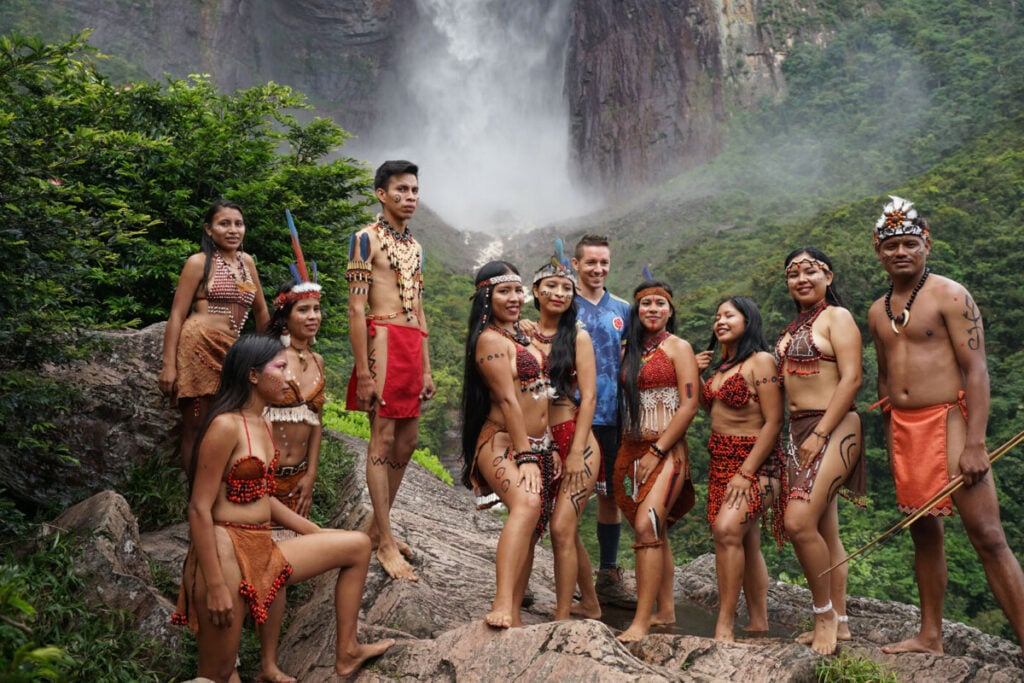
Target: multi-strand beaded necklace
(403, 254)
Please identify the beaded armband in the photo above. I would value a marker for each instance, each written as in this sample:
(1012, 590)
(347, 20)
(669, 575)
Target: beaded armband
(661, 455)
(525, 457)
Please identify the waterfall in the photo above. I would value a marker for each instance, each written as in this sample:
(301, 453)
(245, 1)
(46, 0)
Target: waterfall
(480, 106)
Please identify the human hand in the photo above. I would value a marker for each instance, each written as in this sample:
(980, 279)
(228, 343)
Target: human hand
(220, 605)
(813, 446)
(304, 492)
(428, 390)
(366, 393)
(529, 477)
(168, 381)
(575, 479)
(974, 464)
(704, 360)
(645, 467)
(737, 491)
(527, 327)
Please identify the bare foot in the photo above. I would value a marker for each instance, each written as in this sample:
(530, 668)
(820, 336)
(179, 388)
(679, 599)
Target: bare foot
(404, 548)
(915, 644)
(658, 619)
(825, 626)
(842, 633)
(758, 625)
(725, 635)
(586, 611)
(394, 564)
(350, 660)
(499, 618)
(274, 675)
(633, 634)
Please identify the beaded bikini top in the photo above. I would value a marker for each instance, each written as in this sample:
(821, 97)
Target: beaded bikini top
(532, 373)
(657, 371)
(249, 479)
(226, 295)
(800, 355)
(734, 391)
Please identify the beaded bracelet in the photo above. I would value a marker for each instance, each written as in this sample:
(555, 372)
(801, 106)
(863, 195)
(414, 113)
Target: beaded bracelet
(820, 435)
(657, 451)
(749, 477)
(525, 457)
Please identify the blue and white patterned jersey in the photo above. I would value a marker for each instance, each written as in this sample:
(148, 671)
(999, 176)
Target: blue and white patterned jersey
(607, 323)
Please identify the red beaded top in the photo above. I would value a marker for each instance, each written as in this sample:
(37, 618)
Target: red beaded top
(249, 478)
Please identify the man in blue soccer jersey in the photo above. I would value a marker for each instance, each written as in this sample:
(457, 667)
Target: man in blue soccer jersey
(605, 317)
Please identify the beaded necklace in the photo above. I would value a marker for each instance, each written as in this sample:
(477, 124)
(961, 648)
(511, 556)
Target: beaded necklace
(903, 318)
(651, 345)
(403, 254)
(805, 318)
(516, 336)
(234, 299)
(543, 338)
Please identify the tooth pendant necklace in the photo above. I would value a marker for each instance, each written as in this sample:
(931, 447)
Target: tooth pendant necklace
(903, 319)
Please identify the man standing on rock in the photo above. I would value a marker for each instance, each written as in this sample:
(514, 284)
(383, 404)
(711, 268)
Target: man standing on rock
(605, 317)
(934, 385)
(389, 344)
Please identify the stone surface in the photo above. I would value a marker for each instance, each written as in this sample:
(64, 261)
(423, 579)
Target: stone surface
(119, 420)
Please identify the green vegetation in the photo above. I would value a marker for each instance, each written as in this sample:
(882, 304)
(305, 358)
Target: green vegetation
(356, 423)
(849, 668)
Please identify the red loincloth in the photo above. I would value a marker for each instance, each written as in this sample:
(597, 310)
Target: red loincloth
(396, 363)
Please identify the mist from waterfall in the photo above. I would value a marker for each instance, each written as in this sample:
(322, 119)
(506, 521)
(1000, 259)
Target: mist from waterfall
(480, 106)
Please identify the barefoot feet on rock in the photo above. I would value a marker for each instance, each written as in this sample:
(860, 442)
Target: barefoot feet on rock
(349, 661)
(394, 564)
(916, 644)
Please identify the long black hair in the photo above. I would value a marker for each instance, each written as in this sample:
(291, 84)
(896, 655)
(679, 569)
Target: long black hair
(831, 294)
(752, 340)
(562, 360)
(629, 391)
(251, 351)
(476, 398)
(206, 244)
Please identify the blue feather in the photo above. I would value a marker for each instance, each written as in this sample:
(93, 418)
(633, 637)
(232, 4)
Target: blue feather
(647, 274)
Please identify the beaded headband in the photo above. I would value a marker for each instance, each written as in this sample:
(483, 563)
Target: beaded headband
(559, 266)
(305, 287)
(648, 291)
(498, 279)
(899, 217)
(809, 261)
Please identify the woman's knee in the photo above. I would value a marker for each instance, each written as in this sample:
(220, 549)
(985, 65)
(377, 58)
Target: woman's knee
(727, 534)
(800, 521)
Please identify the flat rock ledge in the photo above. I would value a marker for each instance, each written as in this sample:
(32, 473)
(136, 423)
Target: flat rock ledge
(438, 625)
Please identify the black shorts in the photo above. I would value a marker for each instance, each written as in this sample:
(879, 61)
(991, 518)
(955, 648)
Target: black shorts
(608, 441)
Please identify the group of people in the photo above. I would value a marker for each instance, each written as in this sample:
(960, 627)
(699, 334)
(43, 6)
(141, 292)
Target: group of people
(531, 439)
(595, 396)
(251, 425)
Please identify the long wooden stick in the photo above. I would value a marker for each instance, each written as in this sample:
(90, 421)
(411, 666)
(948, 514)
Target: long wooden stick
(954, 484)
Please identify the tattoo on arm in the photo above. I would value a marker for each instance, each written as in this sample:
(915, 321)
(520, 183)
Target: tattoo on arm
(973, 316)
(490, 357)
(689, 390)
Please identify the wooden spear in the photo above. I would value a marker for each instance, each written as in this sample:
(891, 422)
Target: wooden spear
(954, 484)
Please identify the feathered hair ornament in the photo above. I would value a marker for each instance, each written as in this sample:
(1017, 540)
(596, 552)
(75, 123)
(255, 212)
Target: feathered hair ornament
(653, 289)
(559, 266)
(899, 217)
(305, 287)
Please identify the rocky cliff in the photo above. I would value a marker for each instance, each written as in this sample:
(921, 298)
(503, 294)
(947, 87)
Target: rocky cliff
(649, 84)
(437, 620)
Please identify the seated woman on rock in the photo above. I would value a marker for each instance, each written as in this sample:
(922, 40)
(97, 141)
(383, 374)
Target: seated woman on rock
(746, 471)
(233, 565)
(652, 470)
(506, 450)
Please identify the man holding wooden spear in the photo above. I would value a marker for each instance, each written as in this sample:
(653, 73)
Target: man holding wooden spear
(934, 385)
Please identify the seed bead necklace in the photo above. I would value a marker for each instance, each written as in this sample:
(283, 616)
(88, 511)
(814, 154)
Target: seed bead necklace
(543, 338)
(903, 318)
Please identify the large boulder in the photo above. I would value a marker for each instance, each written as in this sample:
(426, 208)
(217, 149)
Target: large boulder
(119, 418)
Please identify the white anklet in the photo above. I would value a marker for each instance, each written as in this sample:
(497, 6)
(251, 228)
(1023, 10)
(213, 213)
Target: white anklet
(842, 618)
(822, 610)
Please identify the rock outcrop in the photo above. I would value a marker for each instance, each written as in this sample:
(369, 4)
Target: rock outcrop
(119, 419)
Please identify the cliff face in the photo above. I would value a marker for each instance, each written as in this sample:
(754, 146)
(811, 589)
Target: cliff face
(649, 83)
(332, 50)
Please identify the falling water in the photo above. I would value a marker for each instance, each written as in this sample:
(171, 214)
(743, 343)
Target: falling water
(480, 106)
